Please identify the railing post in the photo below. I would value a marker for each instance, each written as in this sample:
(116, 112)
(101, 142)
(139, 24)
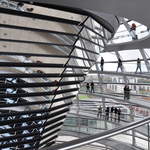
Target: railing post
(132, 119)
(78, 114)
(148, 136)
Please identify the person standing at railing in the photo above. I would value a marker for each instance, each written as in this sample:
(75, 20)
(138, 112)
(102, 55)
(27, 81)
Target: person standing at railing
(92, 87)
(138, 65)
(126, 92)
(99, 114)
(116, 112)
(107, 113)
(111, 111)
(119, 64)
(102, 63)
(87, 87)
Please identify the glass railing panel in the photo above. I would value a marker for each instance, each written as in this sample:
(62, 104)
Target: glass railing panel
(141, 143)
(123, 138)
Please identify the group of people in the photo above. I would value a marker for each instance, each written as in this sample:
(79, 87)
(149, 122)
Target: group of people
(109, 112)
(90, 87)
(120, 66)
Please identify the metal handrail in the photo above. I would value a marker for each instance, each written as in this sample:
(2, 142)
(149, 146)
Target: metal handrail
(93, 138)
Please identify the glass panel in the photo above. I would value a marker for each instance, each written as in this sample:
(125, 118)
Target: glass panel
(123, 138)
(108, 56)
(141, 143)
(147, 52)
(92, 123)
(130, 54)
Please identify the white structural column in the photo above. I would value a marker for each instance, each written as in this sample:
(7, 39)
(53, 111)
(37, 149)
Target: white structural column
(145, 59)
(131, 110)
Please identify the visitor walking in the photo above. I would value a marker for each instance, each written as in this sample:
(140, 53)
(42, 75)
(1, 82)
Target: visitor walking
(138, 65)
(119, 64)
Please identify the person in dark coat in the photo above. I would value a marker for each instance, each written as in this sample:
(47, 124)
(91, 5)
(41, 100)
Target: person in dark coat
(126, 92)
(102, 63)
(107, 113)
(119, 65)
(116, 112)
(112, 111)
(92, 87)
(87, 87)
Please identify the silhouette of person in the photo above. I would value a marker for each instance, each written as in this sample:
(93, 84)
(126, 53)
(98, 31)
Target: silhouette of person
(87, 87)
(92, 87)
(107, 113)
(119, 114)
(126, 92)
(112, 111)
(102, 64)
(119, 64)
(138, 65)
(116, 112)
